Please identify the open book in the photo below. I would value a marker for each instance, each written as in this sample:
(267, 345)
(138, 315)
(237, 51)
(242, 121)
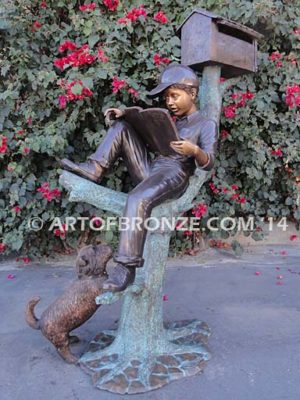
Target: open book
(155, 126)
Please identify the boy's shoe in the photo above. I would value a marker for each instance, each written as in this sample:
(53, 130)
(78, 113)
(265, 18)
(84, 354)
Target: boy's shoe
(90, 169)
(119, 278)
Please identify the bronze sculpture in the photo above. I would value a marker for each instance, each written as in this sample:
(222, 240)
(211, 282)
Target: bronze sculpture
(166, 177)
(76, 305)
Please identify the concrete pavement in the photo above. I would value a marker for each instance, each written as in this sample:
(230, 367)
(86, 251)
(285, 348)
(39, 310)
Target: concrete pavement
(255, 322)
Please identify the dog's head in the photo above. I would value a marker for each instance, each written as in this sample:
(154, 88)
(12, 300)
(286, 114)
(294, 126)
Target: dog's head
(92, 260)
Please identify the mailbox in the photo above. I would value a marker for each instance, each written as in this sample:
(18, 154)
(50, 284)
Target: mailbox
(209, 39)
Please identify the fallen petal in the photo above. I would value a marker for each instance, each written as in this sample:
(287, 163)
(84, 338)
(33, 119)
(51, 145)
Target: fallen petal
(11, 276)
(257, 273)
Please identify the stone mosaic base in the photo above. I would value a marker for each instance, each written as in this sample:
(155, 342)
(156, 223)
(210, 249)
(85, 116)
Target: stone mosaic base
(119, 373)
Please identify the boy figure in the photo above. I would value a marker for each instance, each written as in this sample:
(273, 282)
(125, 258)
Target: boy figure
(163, 178)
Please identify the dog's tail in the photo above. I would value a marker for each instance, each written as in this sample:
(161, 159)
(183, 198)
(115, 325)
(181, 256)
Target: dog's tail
(30, 317)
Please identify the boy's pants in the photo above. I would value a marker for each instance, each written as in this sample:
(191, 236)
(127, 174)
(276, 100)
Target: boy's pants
(158, 180)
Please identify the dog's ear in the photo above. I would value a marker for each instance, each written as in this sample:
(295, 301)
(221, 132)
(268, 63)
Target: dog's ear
(82, 261)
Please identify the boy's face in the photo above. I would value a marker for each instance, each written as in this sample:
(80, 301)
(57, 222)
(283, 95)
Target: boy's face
(180, 102)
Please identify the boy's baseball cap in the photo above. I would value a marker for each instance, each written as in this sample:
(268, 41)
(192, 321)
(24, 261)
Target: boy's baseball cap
(175, 73)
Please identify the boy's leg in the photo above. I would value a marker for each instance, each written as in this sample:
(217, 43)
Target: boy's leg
(120, 141)
(162, 184)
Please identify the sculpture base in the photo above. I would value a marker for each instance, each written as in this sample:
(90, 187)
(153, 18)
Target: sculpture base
(124, 373)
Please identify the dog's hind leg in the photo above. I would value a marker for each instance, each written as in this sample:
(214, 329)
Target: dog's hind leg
(66, 354)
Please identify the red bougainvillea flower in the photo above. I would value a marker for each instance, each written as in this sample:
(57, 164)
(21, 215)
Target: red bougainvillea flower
(292, 98)
(133, 92)
(36, 25)
(101, 56)
(160, 60)
(225, 190)
(26, 260)
(241, 200)
(199, 210)
(165, 297)
(88, 7)
(293, 237)
(278, 64)
(26, 150)
(80, 57)
(70, 96)
(112, 5)
(234, 187)
(296, 31)
(275, 56)
(135, 13)
(118, 84)
(60, 232)
(48, 194)
(160, 17)
(2, 247)
(224, 134)
(43, 4)
(3, 144)
(235, 196)
(20, 132)
(187, 233)
(122, 20)
(67, 45)
(97, 221)
(62, 100)
(230, 111)
(277, 152)
(17, 209)
(241, 98)
(213, 187)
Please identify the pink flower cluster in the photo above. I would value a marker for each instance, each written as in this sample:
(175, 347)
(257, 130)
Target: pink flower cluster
(277, 152)
(118, 84)
(133, 15)
(70, 96)
(79, 57)
(231, 191)
(48, 194)
(157, 59)
(275, 56)
(60, 232)
(199, 210)
(3, 146)
(88, 7)
(297, 31)
(17, 209)
(2, 247)
(160, 17)
(101, 56)
(292, 98)
(224, 134)
(112, 5)
(67, 45)
(241, 100)
(26, 260)
(36, 25)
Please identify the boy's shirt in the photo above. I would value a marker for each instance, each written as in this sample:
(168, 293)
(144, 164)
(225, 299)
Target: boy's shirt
(200, 131)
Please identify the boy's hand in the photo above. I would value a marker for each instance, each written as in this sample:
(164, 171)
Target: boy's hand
(111, 114)
(117, 113)
(184, 147)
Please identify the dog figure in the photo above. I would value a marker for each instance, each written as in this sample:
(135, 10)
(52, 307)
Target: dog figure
(76, 305)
